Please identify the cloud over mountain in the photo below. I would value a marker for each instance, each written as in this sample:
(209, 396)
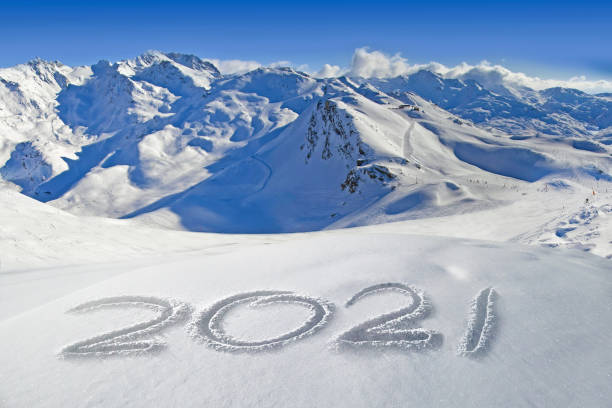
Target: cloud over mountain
(369, 63)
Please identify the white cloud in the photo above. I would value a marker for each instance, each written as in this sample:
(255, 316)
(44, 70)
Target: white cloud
(368, 64)
(303, 68)
(235, 66)
(491, 75)
(280, 64)
(376, 64)
(329, 71)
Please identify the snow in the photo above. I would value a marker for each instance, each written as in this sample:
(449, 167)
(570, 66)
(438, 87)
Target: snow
(173, 236)
(167, 139)
(548, 344)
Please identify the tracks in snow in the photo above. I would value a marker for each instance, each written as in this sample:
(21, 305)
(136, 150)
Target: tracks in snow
(584, 229)
(268, 177)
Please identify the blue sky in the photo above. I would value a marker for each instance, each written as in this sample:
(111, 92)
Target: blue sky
(551, 39)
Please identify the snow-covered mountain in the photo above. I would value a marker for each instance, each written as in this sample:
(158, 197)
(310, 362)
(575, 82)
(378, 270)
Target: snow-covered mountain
(168, 139)
(519, 111)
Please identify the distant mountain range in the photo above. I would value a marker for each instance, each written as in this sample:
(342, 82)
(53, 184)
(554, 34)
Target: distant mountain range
(168, 139)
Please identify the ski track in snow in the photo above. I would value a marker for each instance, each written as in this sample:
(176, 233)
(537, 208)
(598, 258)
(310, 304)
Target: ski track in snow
(406, 149)
(480, 326)
(207, 325)
(269, 176)
(581, 229)
(392, 329)
(130, 340)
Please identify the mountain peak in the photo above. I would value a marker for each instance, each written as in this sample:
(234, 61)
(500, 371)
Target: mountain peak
(38, 62)
(193, 62)
(102, 67)
(153, 57)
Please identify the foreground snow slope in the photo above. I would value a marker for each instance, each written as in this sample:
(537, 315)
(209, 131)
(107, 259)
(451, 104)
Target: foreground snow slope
(540, 337)
(36, 234)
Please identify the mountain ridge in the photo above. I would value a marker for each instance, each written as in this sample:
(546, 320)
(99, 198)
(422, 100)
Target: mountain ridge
(168, 139)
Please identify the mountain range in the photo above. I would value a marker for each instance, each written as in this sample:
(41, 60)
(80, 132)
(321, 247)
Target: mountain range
(169, 140)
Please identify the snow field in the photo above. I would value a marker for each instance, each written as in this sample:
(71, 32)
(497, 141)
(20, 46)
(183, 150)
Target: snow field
(550, 344)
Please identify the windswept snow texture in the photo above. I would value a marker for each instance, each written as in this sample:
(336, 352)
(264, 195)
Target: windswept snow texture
(170, 141)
